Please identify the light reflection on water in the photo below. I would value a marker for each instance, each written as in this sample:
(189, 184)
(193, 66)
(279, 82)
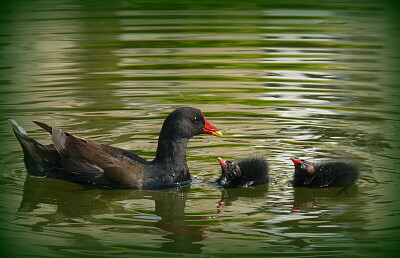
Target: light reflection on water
(277, 82)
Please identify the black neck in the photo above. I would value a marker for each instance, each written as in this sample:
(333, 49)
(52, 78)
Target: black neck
(171, 159)
(171, 152)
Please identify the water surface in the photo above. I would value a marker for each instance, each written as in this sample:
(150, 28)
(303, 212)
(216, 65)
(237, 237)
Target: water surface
(313, 80)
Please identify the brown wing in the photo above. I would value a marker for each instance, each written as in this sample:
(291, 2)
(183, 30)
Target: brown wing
(94, 162)
(106, 148)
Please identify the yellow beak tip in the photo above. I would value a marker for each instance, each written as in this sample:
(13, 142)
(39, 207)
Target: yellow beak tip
(217, 133)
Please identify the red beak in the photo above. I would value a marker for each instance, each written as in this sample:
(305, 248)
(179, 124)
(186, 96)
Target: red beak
(210, 129)
(222, 162)
(296, 161)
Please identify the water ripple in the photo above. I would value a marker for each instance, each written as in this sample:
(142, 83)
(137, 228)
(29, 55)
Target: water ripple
(280, 80)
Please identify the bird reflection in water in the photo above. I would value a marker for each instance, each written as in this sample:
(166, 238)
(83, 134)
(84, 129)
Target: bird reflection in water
(305, 198)
(230, 195)
(70, 203)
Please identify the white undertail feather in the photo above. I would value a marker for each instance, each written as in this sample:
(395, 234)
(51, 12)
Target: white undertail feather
(27, 144)
(17, 129)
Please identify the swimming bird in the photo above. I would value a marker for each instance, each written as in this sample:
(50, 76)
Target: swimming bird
(328, 174)
(76, 159)
(243, 173)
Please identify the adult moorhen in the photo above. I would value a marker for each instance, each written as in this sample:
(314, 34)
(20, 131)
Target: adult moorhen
(81, 160)
(244, 173)
(329, 174)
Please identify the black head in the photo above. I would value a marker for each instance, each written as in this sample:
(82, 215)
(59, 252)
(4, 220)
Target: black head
(303, 166)
(230, 171)
(186, 122)
(303, 171)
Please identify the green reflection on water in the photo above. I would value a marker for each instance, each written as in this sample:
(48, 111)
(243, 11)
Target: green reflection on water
(93, 82)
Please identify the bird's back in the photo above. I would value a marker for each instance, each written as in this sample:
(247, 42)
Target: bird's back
(336, 174)
(254, 169)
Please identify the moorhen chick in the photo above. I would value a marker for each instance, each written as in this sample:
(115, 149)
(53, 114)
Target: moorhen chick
(244, 173)
(81, 160)
(329, 174)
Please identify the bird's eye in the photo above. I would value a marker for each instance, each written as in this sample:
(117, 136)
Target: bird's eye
(195, 120)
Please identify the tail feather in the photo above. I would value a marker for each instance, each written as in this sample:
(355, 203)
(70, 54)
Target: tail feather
(37, 157)
(57, 135)
(44, 126)
(26, 142)
(17, 129)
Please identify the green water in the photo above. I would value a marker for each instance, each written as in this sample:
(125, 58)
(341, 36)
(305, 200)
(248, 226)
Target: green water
(313, 79)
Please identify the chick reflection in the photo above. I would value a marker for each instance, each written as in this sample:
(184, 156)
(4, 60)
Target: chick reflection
(57, 201)
(307, 198)
(229, 195)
